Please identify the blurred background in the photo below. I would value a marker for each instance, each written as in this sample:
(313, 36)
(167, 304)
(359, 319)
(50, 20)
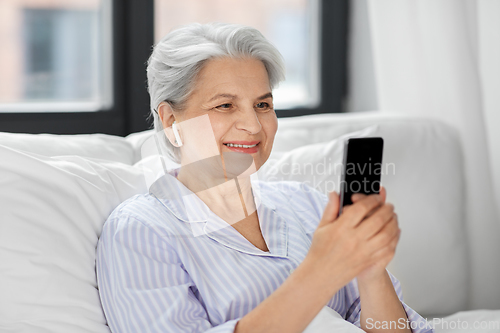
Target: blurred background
(80, 58)
(78, 66)
(58, 52)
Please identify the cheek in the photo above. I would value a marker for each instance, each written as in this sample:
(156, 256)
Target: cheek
(220, 126)
(270, 126)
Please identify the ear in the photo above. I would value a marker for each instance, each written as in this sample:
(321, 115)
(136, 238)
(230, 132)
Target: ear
(166, 114)
(167, 118)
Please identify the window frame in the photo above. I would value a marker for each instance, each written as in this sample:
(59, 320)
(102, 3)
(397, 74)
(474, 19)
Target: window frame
(333, 61)
(133, 37)
(132, 34)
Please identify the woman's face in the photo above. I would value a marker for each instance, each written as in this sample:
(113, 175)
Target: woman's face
(230, 110)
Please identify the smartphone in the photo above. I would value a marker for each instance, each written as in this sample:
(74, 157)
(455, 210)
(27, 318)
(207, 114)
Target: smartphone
(361, 170)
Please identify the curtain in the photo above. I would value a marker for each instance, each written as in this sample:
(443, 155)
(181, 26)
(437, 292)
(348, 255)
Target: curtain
(430, 58)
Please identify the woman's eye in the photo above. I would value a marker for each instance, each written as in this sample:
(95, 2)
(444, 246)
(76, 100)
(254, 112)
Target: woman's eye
(225, 106)
(263, 106)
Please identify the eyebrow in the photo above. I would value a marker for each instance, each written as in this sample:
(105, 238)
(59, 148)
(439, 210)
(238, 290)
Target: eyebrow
(266, 95)
(222, 95)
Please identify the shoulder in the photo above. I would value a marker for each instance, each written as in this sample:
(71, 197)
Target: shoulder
(137, 228)
(142, 212)
(130, 213)
(137, 206)
(141, 208)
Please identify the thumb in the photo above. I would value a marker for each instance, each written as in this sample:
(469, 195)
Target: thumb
(331, 210)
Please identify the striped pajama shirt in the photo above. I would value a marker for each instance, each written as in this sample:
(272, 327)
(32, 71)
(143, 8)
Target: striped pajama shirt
(166, 263)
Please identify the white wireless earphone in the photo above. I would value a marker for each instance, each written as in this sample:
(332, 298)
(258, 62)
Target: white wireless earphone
(176, 134)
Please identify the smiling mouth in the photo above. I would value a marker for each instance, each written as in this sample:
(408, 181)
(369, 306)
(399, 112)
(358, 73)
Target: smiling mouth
(240, 146)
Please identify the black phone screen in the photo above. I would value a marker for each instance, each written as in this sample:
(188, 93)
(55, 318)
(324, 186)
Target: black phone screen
(362, 168)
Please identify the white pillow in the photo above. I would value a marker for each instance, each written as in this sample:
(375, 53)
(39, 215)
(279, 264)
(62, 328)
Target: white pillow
(478, 321)
(295, 132)
(329, 321)
(101, 146)
(318, 165)
(137, 141)
(52, 211)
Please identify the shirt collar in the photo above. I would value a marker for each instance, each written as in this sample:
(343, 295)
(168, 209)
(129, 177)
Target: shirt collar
(186, 205)
(189, 208)
(181, 201)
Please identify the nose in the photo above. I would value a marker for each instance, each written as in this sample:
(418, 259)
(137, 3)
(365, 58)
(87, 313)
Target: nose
(248, 121)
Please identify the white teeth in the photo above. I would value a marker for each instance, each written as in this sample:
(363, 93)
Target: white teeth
(240, 146)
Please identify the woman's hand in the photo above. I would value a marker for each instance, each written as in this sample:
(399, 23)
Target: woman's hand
(384, 256)
(360, 242)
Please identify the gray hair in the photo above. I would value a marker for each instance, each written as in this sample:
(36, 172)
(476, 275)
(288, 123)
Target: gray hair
(179, 56)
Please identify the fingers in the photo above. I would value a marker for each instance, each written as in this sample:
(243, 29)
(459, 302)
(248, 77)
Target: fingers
(376, 221)
(331, 210)
(387, 235)
(358, 211)
(385, 254)
(383, 193)
(357, 196)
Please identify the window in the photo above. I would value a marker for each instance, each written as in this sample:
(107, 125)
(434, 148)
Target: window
(291, 25)
(79, 66)
(310, 34)
(62, 48)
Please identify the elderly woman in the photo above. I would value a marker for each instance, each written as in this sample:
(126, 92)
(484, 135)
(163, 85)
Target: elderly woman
(211, 248)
